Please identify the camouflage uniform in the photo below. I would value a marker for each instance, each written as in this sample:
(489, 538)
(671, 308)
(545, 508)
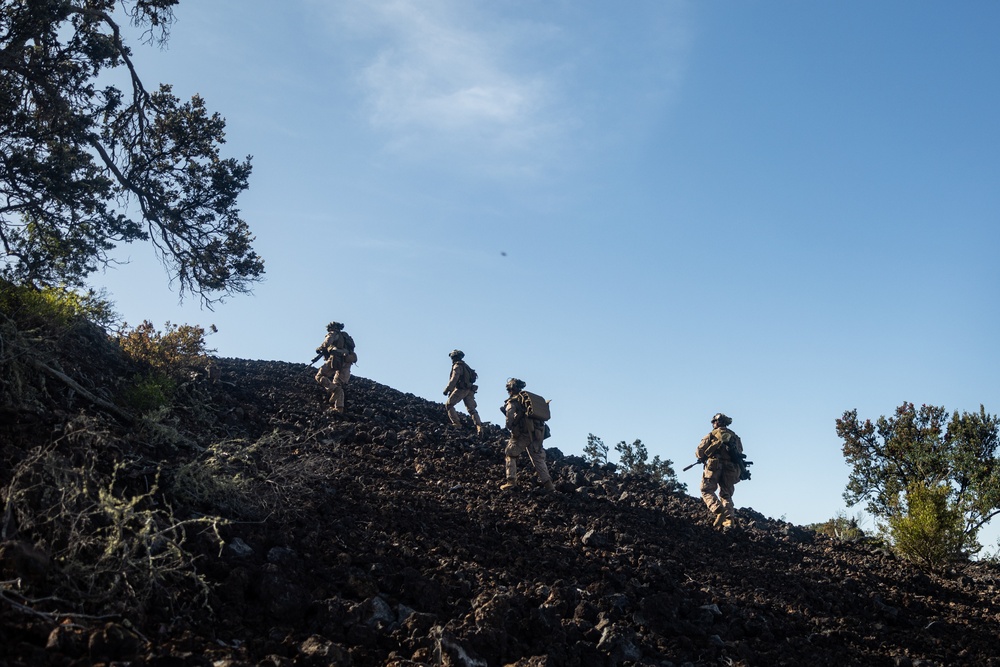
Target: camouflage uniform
(335, 373)
(460, 388)
(721, 473)
(526, 434)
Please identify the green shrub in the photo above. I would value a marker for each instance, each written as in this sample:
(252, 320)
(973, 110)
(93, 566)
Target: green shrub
(148, 393)
(841, 527)
(58, 306)
(930, 530)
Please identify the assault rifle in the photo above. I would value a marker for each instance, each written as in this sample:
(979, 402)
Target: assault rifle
(317, 358)
(742, 464)
(693, 465)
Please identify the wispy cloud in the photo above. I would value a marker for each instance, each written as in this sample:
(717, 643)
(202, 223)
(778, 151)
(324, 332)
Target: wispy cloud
(439, 73)
(464, 78)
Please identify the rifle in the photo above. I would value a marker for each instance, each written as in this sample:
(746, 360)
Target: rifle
(693, 465)
(316, 358)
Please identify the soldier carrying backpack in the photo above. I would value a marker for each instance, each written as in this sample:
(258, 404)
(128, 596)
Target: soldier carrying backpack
(462, 387)
(337, 349)
(722, 453)
(526, 414)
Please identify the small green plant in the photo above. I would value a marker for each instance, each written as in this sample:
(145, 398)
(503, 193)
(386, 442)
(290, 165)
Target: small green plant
(841, 527)
(149, 392)
(929, 530)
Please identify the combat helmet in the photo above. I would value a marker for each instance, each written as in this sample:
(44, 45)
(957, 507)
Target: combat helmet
(456, 355)
(515, 385)
(721, 419)
(335, 326)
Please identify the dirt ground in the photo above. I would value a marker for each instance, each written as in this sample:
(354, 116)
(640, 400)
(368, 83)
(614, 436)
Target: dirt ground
(383, 538)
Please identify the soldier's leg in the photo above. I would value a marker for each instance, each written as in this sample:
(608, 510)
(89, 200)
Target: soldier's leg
(515, 446)
(536, 452)
(470, 406)
(727, 486)
(449, 407)
(340, 380)
(323, 377)
(709, 485)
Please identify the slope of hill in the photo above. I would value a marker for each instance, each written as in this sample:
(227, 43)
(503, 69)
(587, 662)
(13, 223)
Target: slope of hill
(247, 526)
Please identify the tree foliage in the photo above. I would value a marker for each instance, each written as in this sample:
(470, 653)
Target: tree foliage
(634, 460)
(86, 165)
(595, 451)
(920, 448)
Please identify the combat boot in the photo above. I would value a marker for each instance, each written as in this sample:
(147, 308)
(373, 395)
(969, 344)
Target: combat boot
(719, 519)
(479, 430)
(549, 486)
(509, 484)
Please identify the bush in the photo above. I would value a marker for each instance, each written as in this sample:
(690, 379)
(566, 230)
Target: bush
(179, 346)
(115, 545)
(841, 527)
(930, 530)
(149, 393)
(55, 306)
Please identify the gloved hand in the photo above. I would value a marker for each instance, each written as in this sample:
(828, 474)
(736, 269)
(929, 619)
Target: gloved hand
(445, 392)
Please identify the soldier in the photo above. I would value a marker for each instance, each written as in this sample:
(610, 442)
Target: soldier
(526, 434)
(461, 387)
(721, 472)
(338, 350)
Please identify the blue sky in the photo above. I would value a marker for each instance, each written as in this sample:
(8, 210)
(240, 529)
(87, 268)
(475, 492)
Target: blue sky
(648, 211)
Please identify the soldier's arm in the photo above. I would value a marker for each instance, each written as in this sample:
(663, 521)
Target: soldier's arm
(452, 380)
(515, 413)
(704, 448)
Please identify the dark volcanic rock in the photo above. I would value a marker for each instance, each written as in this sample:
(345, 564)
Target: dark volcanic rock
(381, 538)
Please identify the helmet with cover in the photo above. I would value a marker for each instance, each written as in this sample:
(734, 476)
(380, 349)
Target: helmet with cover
(514, 385)
(720, 419)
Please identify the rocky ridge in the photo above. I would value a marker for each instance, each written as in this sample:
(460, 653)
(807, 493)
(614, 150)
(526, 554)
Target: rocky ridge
(382, 538)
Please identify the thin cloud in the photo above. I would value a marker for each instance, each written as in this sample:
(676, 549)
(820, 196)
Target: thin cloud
(464, 81)
(437, 76)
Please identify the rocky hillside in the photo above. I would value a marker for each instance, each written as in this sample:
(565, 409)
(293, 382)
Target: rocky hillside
(244, 525)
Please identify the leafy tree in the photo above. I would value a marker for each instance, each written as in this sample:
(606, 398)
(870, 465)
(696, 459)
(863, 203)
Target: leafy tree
(85, 165)
(595, 450)
(921, 448)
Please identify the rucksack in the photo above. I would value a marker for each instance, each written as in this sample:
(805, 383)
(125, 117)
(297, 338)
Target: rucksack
(535, 406)
(470, 375)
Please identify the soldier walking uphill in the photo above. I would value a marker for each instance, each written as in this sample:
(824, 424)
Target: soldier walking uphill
(719, 451)
(461, 387)
(338, 350)
(526, 433)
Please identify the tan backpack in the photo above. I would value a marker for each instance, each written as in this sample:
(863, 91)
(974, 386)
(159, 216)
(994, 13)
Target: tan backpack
(535, 406)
